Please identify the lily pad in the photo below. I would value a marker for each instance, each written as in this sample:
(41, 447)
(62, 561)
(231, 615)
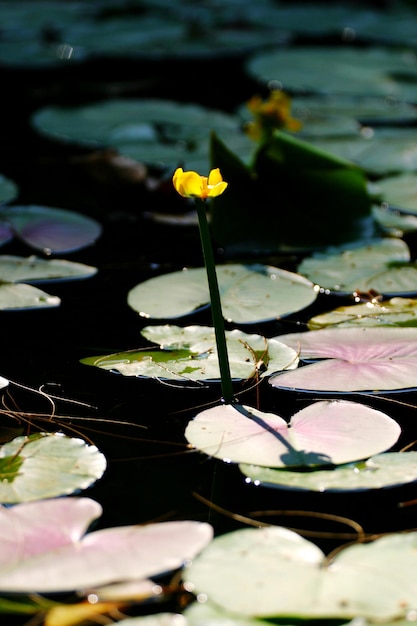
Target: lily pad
(50, 230)
(381, 265)
(249, 293)
(152, 131)
(353, 70)
(274, 572)
(190, 353)
(394, 312)
(325, 433)
(18, 296)
(32, 269)
(26, 467)
(390, 469)
(352, 359)
(8, 189)
(399, 191)
(45, 548)
(380, 152)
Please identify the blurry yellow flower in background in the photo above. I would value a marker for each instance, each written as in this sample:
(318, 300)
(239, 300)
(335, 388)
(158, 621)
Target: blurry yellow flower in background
(192, 185)
(275, 112)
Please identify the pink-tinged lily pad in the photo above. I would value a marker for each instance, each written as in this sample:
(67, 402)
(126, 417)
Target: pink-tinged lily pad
(327, 432)
(49, 229)
(45, 548)
(352, 359)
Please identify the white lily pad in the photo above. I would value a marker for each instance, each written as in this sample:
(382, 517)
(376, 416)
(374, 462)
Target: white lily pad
(18, 296)
(390, 469)
(394, 312)
(190, 353)
(380, 265)
(325, 433)
(26, 462)
(352, 70)
(45, 548)
(352, 359)
(274, 572)
(16, 269)
(249, 293)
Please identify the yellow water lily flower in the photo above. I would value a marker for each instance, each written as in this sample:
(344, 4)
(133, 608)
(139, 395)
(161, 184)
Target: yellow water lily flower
(275, 112)
(192, 185)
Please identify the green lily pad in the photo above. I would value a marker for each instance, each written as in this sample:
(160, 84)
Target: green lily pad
(399, 191)
(366, 110)
(26, 467)
(394, 312)
(381, 152)
(392, 222)
(274, 572)
(152, 131)
(249, 293)
(8, 189)
(353, 70)
(325, 433)
(381, 265)
(190, 353)
(390, 469)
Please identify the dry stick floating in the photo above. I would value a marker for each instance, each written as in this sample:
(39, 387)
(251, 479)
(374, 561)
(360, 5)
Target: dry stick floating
(192, 185)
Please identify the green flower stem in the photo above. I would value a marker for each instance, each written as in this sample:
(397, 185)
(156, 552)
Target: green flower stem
(216, 307)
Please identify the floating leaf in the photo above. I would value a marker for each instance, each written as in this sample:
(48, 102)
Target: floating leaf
(328, 432)
(151, 131)
(381, 152)
(8, 189)
(20, 296)
(352, 359)
(26, 462)
(15, 269)
(381, 265)
(354, 70)
(390, 469)
(399, 191)
(274, 572)
(44, 548)
(190, 353)
(394, 312)
(249, 293)
(51, 230)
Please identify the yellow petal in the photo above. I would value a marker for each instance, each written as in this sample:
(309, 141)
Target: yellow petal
(72, 614)
(215, 177)
(216, 190)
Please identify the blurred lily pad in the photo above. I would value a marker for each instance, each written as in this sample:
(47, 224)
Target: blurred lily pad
(190, 353)
(353, 70)
(48, 229)
(149, 130)
(399, 192)
(249, 293)
(382, 265)
(16, 269)
(8, 191)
